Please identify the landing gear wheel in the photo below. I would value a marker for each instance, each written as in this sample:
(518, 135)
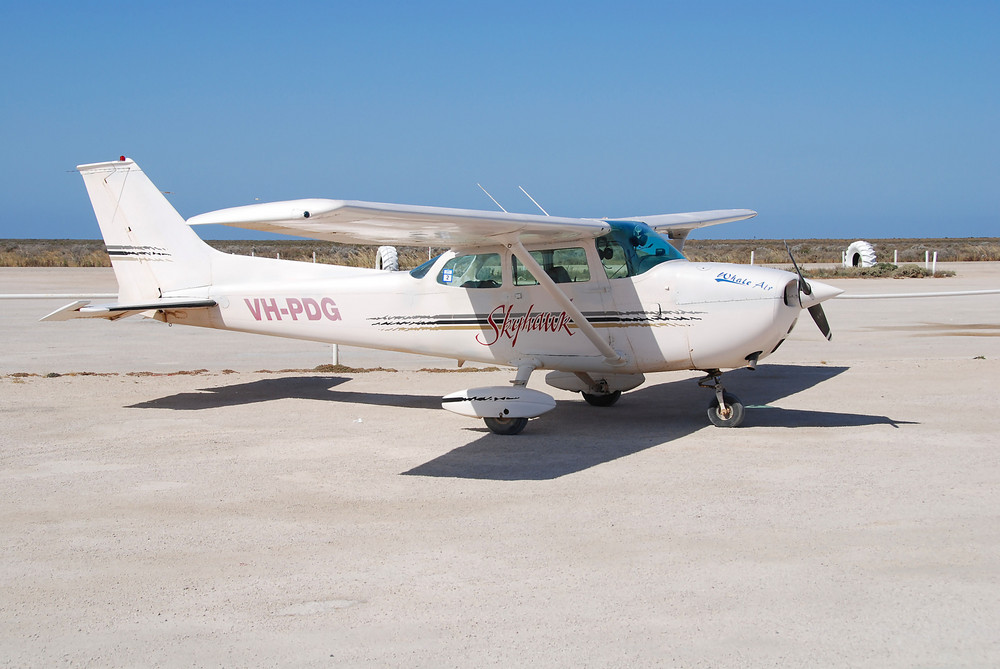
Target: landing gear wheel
(731, 416)
(506, 425)
(602, 400)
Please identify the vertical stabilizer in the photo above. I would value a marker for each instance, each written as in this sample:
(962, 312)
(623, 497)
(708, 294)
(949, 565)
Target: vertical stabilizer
(152, 249)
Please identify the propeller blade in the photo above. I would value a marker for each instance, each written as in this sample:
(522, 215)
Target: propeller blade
(816, 311)
(804, 286)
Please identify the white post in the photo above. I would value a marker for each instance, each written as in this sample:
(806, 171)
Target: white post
(336, 354)
(314, 256)
(934, 266)
(751, 257)
(927, 256)
(278, 256)
(895, 257)
(843, 258)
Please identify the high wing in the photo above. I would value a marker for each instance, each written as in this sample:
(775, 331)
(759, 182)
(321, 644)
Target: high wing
(353, 222)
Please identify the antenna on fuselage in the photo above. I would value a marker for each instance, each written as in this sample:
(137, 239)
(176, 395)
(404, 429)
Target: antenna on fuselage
(533, 200)
(492, 198)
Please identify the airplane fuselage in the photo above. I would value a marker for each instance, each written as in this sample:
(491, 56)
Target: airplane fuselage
(599, 302)
(677, 315)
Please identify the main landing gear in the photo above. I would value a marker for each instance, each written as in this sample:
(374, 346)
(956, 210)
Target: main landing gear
(725, 410)
(599, 395)
(604, 400)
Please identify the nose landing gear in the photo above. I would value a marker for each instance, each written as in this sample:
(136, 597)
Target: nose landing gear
(725, 410)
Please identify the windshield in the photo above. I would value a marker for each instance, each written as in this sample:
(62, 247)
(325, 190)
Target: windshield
(421, 271)
(631, 248)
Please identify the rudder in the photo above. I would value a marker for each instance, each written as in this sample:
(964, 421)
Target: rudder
(153, 251)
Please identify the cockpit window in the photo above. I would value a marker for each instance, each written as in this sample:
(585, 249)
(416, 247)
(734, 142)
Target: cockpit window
(632, 248)
(480, 270)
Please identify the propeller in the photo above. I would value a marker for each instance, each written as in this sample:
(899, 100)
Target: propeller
(816, 310)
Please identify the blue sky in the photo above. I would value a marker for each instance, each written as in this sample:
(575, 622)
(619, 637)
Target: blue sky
(845, 119)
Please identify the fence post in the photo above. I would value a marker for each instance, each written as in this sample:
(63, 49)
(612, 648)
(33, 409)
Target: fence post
(927, 261)
(934, 266)
(895, 257)
(751, 257)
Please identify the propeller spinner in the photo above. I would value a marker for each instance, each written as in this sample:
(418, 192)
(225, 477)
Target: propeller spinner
(814, 295)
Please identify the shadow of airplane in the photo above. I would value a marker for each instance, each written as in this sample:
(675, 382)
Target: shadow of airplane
(644, 418)
(289, 387)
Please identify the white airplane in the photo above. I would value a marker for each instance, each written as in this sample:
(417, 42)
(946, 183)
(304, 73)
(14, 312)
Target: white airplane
(598, 302)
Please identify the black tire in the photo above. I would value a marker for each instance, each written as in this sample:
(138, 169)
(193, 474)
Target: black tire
(735, 407)
(506, 425)
(602, 400)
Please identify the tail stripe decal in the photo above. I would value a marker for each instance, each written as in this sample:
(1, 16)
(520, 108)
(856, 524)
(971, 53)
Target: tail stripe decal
(139, 252)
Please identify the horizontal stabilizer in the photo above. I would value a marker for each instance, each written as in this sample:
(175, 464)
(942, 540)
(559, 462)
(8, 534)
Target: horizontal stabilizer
(81, 309)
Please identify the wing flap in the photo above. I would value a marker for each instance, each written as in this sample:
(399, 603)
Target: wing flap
(355, 222)
(82, 309)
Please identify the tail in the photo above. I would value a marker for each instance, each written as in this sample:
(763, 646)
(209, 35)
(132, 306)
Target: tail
(153, 251)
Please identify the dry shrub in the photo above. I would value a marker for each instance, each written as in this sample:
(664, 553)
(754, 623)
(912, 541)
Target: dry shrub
(91, 253)
(326, 252)
(772, 251)
(878, 271)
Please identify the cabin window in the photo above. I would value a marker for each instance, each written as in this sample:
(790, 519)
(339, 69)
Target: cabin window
(562, 266)
(632, 248)
(480, 270)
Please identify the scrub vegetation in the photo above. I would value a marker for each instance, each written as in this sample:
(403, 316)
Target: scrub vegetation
(772, 251)
(91, 253)
(882, 270)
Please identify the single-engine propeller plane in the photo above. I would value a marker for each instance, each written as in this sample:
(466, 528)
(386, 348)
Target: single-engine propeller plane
(597, 302)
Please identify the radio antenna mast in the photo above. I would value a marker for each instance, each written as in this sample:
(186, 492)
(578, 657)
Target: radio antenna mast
(492, 198)
(533, 200)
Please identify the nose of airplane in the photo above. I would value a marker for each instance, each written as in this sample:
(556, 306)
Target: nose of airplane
(812, 293)
(818, 292)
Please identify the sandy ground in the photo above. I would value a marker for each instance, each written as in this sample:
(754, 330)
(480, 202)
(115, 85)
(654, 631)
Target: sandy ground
(261, 519)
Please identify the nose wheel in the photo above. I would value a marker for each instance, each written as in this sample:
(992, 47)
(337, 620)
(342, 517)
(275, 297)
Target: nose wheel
(725, 409)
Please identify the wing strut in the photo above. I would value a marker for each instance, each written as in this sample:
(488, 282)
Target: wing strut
(611, 355)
